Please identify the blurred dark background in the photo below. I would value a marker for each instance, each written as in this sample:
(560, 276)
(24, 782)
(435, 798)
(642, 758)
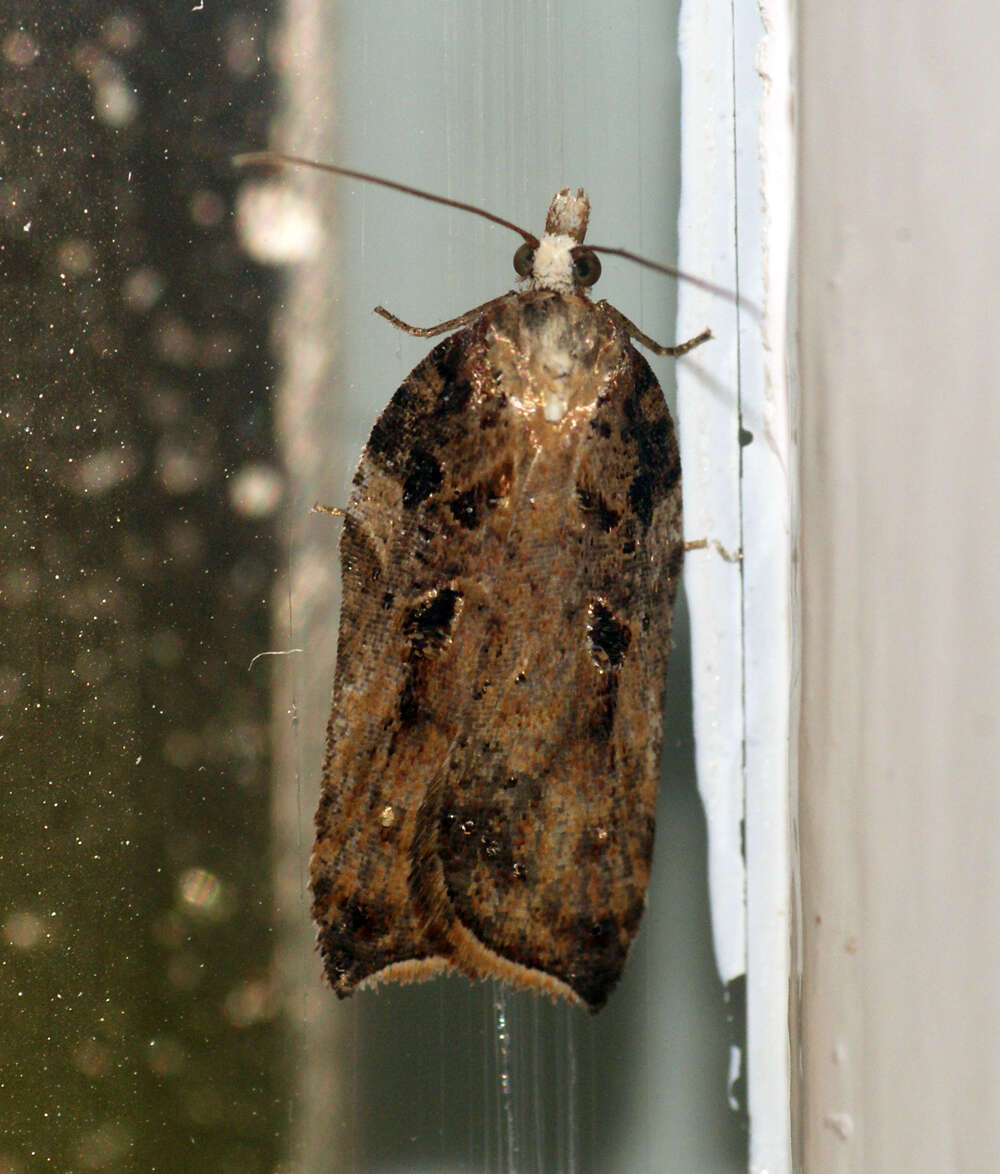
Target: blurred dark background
(139, 487)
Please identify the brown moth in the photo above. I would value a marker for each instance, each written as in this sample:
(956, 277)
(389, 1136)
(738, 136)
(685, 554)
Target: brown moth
(510, 554)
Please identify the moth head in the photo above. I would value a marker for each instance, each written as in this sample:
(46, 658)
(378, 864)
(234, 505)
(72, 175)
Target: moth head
(560, 261)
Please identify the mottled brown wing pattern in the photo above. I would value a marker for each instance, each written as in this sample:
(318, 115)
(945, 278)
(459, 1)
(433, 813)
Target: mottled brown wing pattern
(510, 556)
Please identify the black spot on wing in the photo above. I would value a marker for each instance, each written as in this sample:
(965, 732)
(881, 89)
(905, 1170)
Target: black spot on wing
(448, 360)
(649, 432)
(609, 637)
(429, 623)
(388, 440)
(427, 626)
(641, 497)
(466, 509)
(596, 510)
(471, 507)
(423, 477)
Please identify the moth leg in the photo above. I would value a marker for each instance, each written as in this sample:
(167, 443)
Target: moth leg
(451, 324)
(333, 510)
(657, 348)
(731, 556)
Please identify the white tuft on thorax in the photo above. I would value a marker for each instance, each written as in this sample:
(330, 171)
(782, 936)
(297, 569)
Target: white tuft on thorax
(553, 265)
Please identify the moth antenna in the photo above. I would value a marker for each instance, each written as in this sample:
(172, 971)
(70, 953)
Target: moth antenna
(277, 159)
(720, 290)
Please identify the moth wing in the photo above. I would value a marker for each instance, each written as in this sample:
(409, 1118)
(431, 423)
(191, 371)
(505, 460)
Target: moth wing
(490, 785)
(538, 834)
(393, 720)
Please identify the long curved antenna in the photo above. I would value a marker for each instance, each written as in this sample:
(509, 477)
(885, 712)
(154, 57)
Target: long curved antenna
(279, 159)
(276, 158)
(719, 290)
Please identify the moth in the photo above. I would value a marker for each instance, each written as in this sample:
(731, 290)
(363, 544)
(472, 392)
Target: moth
(510, 554)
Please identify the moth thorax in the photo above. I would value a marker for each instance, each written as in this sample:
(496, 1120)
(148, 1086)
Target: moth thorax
(553, 264)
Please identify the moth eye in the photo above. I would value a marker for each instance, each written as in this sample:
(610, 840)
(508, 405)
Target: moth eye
(586, 267)
(524, 259)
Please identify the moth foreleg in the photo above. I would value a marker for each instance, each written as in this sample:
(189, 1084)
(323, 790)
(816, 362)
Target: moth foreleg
(633, 331)
(451, 324)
